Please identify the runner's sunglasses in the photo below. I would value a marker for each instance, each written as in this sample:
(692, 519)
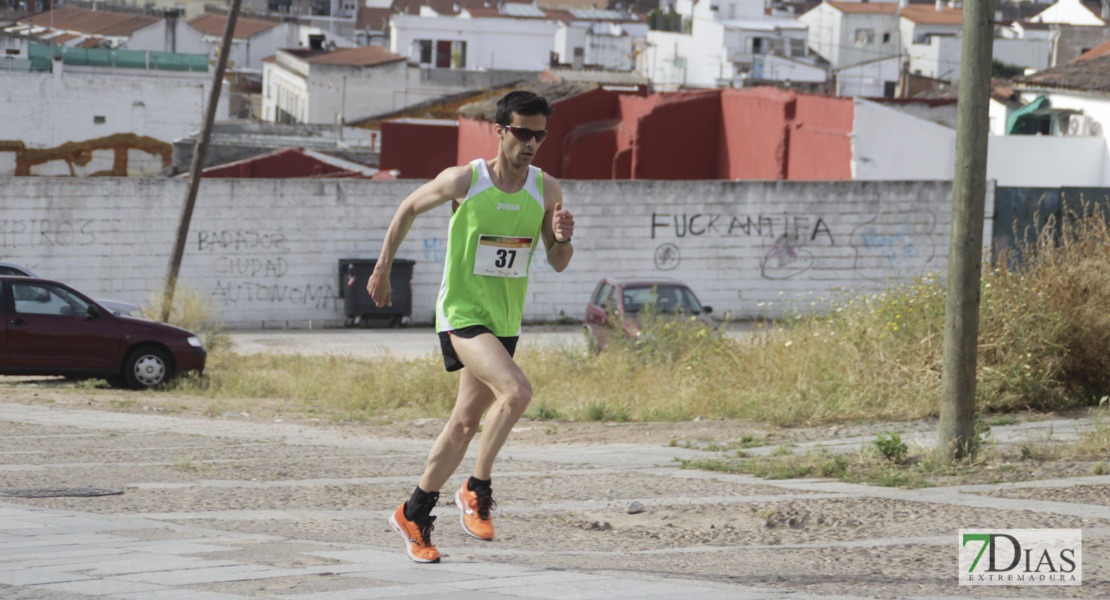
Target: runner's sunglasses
(523, 134)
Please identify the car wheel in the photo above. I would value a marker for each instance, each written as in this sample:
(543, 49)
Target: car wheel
(146, 368)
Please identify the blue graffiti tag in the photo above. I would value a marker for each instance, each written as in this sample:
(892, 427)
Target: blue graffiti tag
(895, 247)
(435, 249)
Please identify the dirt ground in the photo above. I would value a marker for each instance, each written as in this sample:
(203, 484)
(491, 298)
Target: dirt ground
(552, 514)
(1001, 462)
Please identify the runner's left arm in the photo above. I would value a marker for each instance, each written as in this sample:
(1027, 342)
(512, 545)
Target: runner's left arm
(558, 226)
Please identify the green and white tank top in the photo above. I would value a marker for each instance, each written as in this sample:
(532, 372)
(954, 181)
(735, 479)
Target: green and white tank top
(489, 251)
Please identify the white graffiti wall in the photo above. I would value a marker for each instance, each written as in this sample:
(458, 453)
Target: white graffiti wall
(265, 253)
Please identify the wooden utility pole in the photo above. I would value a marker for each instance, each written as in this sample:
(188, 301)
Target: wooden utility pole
(965, 250)
(199, 151)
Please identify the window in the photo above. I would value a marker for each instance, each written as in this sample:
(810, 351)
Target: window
(602, 294)
(797, 47)
(423, 49)
(662, 298)
(865, 37)
(889, 88)
(757, 45)
(99, 120)
(45, 299)
(458, 55)
(443, 54)
(12, 52)
(886, 38)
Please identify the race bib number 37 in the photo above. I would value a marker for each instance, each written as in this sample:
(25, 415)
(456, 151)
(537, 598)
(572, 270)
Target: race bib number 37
(501, 256)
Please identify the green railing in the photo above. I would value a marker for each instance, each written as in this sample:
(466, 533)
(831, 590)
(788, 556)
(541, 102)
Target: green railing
(42, 59)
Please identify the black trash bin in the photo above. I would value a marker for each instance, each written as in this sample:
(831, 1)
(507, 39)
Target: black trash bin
(354, 273)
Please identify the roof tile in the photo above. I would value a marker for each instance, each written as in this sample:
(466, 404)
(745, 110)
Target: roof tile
(213, 24)
(927, 14)
(1090, 75)
(100, 22)
(363, 56)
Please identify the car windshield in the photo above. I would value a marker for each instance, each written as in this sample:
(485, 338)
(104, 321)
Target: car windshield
(666, 298)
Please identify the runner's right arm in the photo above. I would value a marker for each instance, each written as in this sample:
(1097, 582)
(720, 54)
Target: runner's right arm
(451, 184)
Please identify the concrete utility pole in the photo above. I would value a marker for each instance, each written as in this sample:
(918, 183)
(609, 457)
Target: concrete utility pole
(198, 163)
(965, 250)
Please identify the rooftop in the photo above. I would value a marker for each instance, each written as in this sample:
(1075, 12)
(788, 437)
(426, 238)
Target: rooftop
(875, 8)
(927, 14)
(1088, 75)
(99, 22)
(213, 24)
(364, 56)
(487, 109)
(376, 19)
(1101, 50)
(595, 76)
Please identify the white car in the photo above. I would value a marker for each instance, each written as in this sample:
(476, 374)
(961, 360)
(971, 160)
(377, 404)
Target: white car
(120, 308)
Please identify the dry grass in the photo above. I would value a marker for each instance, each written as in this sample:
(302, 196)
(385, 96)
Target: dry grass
(190, 311)
(1044, 332)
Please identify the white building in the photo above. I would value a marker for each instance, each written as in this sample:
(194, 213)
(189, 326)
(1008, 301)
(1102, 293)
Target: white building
(513, 37)
(771, 67)
(81, 27)
(852, 33)
(1051, 131)
(80, 103)
(930, 38)
(1068, 12)
(925, 37)
(717, 44)
(321, 87)
(599, 38)
(256, 39)
(1068, 101)
(869, 79)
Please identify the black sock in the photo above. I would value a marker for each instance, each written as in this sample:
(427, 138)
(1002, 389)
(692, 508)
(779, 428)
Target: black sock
(419, 507)
(476, 484)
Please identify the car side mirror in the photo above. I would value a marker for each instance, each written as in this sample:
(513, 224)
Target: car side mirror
(707, 309)
(93, 313)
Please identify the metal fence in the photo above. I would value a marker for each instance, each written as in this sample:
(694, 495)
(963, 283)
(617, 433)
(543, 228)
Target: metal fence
(1020, 214)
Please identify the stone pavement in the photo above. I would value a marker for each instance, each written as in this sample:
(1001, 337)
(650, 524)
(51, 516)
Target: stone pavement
(169, 537)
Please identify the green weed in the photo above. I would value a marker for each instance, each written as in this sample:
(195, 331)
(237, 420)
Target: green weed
(891, 446)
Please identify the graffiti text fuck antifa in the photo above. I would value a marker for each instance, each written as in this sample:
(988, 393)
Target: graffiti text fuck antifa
(794, 226)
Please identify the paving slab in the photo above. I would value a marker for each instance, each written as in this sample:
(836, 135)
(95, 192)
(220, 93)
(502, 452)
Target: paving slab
(101, 587)
(66, 549)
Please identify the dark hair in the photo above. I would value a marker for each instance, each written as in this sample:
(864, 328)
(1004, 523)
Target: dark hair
(522, 103)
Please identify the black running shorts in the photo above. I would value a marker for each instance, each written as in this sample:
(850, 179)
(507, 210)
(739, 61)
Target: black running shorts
(451, 360)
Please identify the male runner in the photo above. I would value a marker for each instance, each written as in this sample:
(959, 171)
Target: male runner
(501, 206)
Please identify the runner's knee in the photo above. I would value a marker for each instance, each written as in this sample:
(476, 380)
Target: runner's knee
(463, 428)
(519, 395)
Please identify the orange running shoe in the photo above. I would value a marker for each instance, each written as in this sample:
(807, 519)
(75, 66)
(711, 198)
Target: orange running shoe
(417, 536)
(475, 509)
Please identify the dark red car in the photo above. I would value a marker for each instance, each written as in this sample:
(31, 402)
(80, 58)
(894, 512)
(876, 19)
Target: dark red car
(51, 329)
(623, 299)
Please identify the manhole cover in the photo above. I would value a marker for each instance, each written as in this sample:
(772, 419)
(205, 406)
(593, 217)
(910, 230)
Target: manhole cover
(59, 492)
